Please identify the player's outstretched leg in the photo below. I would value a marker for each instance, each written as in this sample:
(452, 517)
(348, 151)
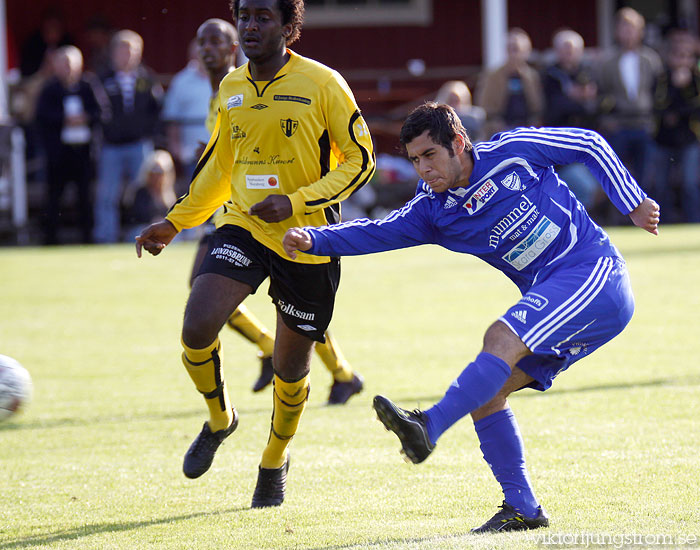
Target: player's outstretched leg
(409, 426)
(346, 382)
(289, 398)
(204, 367)
(252, 329)
(502, 446)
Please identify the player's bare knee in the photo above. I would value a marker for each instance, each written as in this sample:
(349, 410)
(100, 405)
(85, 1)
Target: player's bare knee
(198, 332)
(502, 342)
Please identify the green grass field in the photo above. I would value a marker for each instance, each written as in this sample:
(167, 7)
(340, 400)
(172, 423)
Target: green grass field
(95, 461)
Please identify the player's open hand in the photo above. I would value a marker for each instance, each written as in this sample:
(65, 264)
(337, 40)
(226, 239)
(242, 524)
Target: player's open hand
(647, 216)
(155, 237)
(274, 208)
(296, 239)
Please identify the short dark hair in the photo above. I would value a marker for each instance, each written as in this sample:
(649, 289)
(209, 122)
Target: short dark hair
(440, 120)
(292, 12)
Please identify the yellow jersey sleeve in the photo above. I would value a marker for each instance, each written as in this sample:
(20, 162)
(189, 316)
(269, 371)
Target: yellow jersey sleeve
(351, 145)
(210, 186)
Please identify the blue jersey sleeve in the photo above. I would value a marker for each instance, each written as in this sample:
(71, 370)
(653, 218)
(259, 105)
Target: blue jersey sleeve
(553, 146)
(408, 226)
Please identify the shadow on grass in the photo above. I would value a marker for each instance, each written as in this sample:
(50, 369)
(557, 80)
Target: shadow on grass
(41, 424)
(680, 381)
(114, 527)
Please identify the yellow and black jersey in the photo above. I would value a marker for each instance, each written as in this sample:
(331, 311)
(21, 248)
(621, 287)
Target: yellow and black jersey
(210, 122)
(280, 137)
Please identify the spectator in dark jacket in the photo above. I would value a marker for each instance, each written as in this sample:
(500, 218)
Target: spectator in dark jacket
(677, 109)
(131, 100)
(67, 114)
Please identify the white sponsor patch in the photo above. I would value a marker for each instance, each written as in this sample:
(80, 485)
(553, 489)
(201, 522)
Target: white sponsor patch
(307, 328)
(527, 250)
(258, 181)
(534, 300)
(481, 196)
(234, 101)
(512, 182)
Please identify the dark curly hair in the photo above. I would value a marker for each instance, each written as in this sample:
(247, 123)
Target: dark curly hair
(292, 12)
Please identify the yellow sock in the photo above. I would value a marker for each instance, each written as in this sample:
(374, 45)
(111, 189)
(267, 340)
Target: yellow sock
(289, 402)
(333, 358)
(205, 368)
(249, 326)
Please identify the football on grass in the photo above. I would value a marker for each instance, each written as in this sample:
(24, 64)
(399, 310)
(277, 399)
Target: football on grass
(15, 387)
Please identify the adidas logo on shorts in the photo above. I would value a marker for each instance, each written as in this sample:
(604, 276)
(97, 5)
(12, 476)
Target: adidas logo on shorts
(520, 315)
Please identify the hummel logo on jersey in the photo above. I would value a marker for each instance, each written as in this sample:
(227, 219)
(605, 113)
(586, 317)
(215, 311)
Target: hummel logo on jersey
(520, 315)
(307, 328)
(234, 101)
(289, 126)
(449, 203)
(259, 106)
(512, 182)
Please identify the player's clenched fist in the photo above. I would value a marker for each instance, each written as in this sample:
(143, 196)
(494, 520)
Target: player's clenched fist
(296, 239)
(155, 237)
(647, 216)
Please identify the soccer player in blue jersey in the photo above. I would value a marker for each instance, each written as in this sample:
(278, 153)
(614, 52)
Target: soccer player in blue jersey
(502, 201)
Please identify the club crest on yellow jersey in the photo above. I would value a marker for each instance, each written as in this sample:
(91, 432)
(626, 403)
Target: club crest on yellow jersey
(289, 126)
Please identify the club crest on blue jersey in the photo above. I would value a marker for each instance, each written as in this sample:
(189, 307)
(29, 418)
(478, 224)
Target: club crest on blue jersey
(481, 196)
(512, 182)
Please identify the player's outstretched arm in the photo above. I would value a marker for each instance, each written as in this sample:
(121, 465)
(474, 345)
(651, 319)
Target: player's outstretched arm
(647, 216)
(155, 237)
(296, 239)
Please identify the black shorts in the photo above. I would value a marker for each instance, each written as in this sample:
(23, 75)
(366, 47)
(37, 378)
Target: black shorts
(304, 294)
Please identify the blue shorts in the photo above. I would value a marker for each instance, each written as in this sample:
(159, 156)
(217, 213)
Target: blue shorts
(570, 314)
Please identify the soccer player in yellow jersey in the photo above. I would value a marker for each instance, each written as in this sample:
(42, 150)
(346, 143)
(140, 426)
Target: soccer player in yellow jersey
(282, 117)
(217, 42)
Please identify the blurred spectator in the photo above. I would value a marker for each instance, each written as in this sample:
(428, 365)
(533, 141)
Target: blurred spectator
(677, 106)
(98, 35)
(457, 95)
(66, 115)
(50, 35)
(569, 84)
(570, 99)
(512, 94)
(130, 98)
(185, 112)
(153, 195)
(625, 85)
(394, 183)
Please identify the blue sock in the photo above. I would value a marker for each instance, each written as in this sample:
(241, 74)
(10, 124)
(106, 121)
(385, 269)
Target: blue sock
(478, 383)
(503, 449)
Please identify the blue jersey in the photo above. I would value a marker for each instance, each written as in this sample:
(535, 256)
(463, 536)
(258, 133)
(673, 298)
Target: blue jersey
(515, 213)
